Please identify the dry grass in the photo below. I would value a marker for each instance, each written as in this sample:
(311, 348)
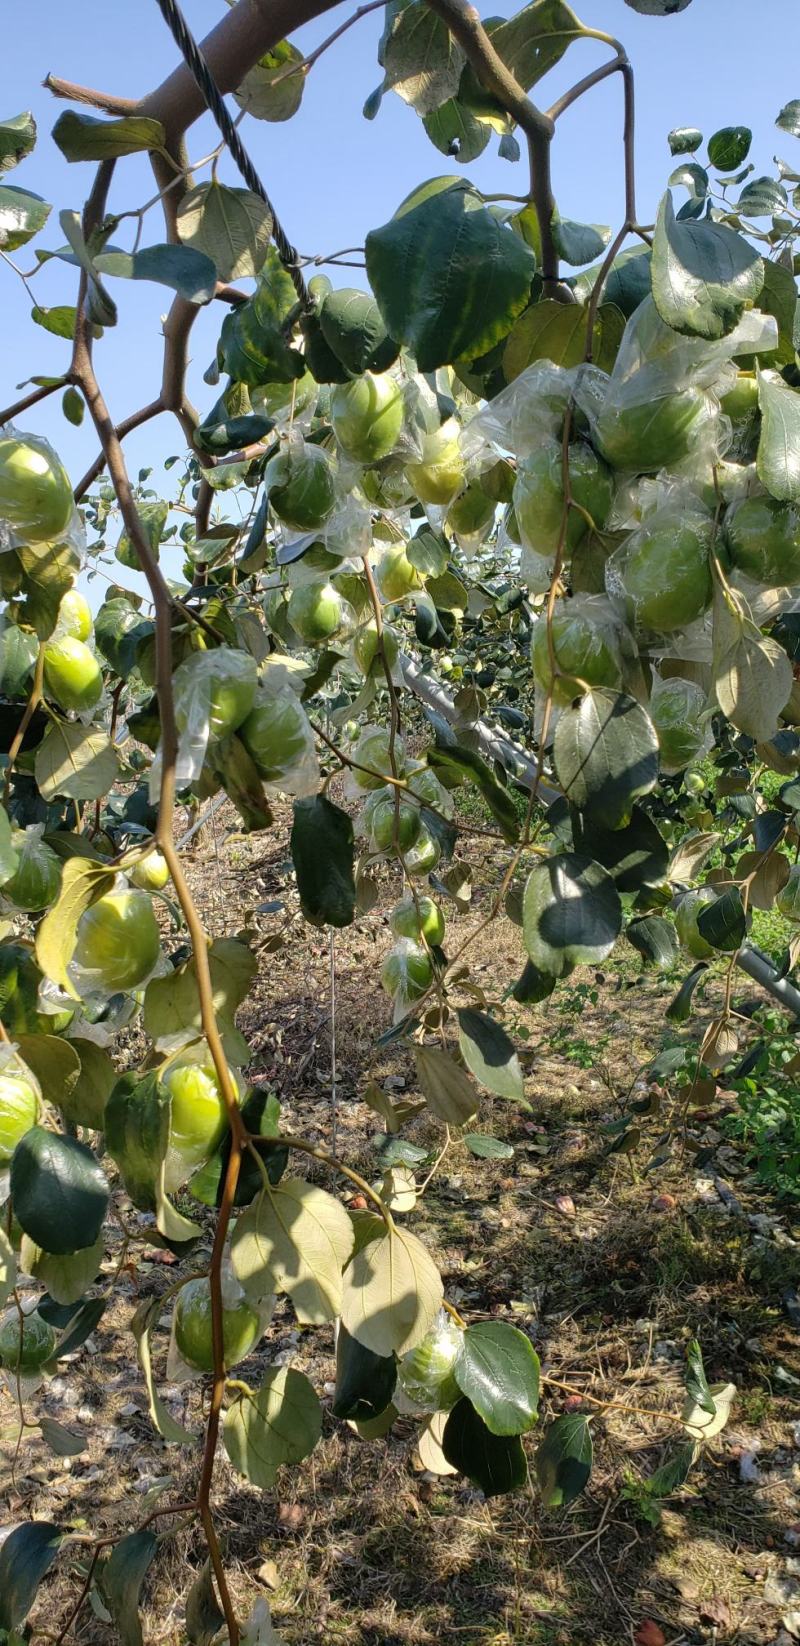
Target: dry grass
(358, 1546)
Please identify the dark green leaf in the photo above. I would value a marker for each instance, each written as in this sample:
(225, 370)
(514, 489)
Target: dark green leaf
(789, 117)
(627, 283)
(729, 147)
(190, 273)
(533, 985)
(17, 138)
(704, 274)
(466, 763)
(490, 1055)
(696, 1381)
(261, 1115)
(26, 1554)
(18, 649)
(22, 215)
(762, 197)
(496, 1463)
(679, 1008)
(635, 855)
(454, 130)
(253, 348)
(80, 1326)
(498, 1370)
(672, 1472)
(578, 243)
(571, 914)
(365, 1381)
(59, 321)
(684, 139)
(605, 752)
(658, 8)
(60, 1191)
(120, 1583)
(82, 136)
(204, 1619)
(723, 924)
(353, 327)
(655, 939)
(564, 1460)
(449, 278)
(428, 552)
(322, 850)
(137, 1133)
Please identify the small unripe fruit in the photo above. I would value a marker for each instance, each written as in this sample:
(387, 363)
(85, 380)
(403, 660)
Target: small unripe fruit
(397, 577)
(394, 827)
(686, 916)
(19, 1108)
(193, 1336)
(198, 1120)
(763, 538)
(35, 493)
(118, 940)
(24, 1351)
(410, 919)
(72, 675)
(367, 416)
(301, 487)
(438, 475)
(74, 616)
(151, 873)
(316, 612)
(406, 972)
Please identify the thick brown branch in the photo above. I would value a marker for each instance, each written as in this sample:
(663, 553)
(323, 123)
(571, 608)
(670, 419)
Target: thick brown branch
(465, 25)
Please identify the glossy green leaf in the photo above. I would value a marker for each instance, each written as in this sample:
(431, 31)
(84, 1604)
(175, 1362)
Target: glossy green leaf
(778, 457)
(605, 752)
(365, 1382)
(571, 913)
(22, 215)
(498, 1370)
(696, 1381)
(684, 139)
(323, 854)
(353, 327)
(496, 1463)
(25, 1556)
(704, 274)
(280, 1422)
(680, 1006)
(82, 136)
(465, 762)
(490, 1055)
(187, 271)
(564, 1460)
(723, 924)
(17, 138)
(579, 243)
(18, 649)
(729, 147)
(120, 1583)
(449, 279)
(789, 117)
(655, 939)
(60, 1191)
(636, 855)
(137, 1133)
(762, 197)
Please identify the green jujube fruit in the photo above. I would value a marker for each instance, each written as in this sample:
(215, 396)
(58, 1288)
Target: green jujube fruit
(666, 574)
(198, 1120)
(35, 492)
(539, 495)
(193, 1337)
(423, 917)
(19, 1108)
(275, 735)
(652, 434)
(763, 539)
(406, 972)
(583, 653)
(316, 612)
(367, 416)
(72, 675)
(118, 938)
(301, 487)
(25, 1353)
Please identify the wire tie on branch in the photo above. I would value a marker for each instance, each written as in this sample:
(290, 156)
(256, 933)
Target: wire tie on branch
(198, 67)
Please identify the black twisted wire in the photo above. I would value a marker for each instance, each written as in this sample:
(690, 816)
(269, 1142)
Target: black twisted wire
(196, 63)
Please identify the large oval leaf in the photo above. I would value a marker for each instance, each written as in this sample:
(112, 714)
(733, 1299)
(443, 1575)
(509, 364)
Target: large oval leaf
(496, 1463)
(295, 1238)
(391, 1293)
(704, 274)
(59, 1190)
(571, 913)
(449, 278)
(280, 1423)
(323, 854)
(498, 1369)
(564, 1460)
(605, 752)
(25, 1556)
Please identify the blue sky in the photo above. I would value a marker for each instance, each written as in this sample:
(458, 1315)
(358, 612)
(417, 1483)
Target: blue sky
(332, 175)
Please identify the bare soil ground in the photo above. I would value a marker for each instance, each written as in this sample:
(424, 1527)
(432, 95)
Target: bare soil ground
(359, 1546)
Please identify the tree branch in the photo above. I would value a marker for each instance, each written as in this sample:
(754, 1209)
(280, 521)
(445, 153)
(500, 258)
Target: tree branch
(143, 415)
(10, 412)
(465, 25)
(73, 93)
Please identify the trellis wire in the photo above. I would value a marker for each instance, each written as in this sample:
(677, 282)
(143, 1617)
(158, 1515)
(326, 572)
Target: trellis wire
(212, 96)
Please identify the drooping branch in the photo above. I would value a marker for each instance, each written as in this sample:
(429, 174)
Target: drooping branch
(465, 25)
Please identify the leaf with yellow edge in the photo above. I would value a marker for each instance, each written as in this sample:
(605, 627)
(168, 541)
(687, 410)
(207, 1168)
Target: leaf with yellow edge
(83, 882)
